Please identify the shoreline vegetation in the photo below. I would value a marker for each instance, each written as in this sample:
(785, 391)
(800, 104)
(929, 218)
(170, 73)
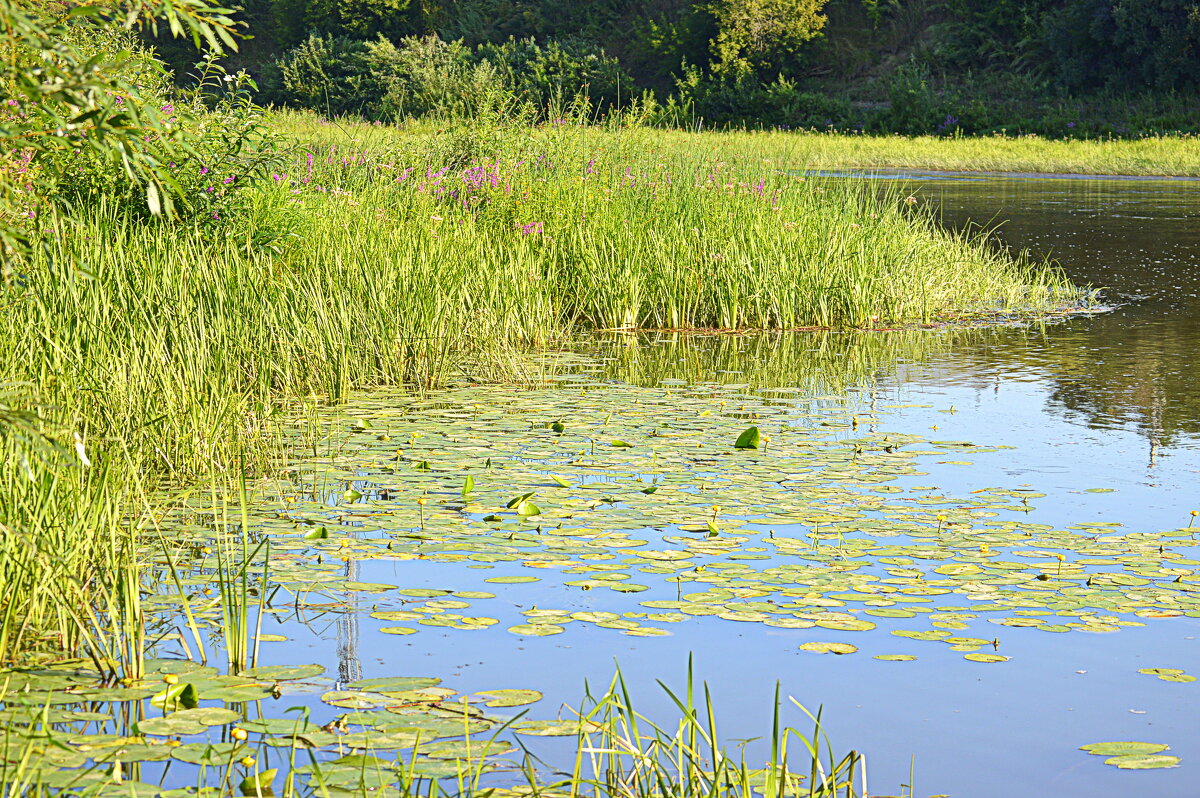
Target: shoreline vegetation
(809, 151)
(153, 350)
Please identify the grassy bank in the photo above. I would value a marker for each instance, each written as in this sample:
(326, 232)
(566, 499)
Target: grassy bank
(1164, 156)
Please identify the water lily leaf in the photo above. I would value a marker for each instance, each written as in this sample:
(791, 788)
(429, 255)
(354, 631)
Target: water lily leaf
(187, 721)
(536, 630)
(854, 625)
(417, 592)
(895, 657)
(469, 750)
(1143, 761)
(512, 580)
(279, 673)
(354, 699)
(986, 657)
(510, 697)
(750, 439)
(258, 783)
(277, 725)
(380, 741)
(320, 533)
(249, 692)
(209, 753)
(1123, 748)
(1168, 674)
(547, 728)
(828, 648)
(527, 508)
(516, 500)
(387, 684)
(176, 696)
(468, 486)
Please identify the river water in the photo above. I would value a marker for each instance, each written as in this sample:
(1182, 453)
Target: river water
(1103, 414)
(1089, 426)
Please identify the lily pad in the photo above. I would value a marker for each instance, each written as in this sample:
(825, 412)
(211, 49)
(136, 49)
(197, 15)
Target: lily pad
(828, 648)
(510, 697)
(284, 672)
(1123, 748)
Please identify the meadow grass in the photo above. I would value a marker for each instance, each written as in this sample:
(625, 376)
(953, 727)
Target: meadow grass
(144, 354)
(1159, 155)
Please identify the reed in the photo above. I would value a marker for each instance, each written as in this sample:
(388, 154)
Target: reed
(624, 754)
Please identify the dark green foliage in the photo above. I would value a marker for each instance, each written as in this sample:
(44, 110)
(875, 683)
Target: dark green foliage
(1056, 67)
(556, 71)
(330, 74)
(423, 75)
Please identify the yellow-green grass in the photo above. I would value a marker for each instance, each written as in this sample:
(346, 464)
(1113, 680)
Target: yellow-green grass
(1167, 155)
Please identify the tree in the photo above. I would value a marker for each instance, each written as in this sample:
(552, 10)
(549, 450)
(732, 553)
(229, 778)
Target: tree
(754, 34)
(62, 93)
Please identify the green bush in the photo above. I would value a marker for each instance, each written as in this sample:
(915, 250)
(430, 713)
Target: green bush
(555, 72)
(716, 100)
(331, 75)
(423, 75)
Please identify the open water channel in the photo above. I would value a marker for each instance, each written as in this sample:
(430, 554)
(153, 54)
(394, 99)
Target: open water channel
(1013, 500)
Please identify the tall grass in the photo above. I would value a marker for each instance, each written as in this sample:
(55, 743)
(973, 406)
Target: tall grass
(623, 754)
(1153, 155)
(161, 353)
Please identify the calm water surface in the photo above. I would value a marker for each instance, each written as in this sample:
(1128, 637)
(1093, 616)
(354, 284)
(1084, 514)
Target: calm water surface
(1110, 401)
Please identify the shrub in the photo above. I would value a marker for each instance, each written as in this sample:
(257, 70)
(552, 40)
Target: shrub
(331, 75)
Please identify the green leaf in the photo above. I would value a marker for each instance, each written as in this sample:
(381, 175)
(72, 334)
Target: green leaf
(351, 495)
(1143, 761)
(177, 696)
(320, 533)
(1123, 748)
(510, 697)
(513, 502)
(284, 672)
(828, 648)
(258, 783)
(153, 201)
(468, 486)
(528, 508)
(750, 439)
(621, 445)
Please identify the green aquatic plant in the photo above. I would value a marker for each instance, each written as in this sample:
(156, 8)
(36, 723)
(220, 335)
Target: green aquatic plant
(408, 734)
(623, 754)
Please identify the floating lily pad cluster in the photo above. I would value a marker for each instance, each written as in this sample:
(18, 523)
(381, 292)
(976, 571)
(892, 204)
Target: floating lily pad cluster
(1133, 755)
(183, 712)
(623, 490)
(651, 500)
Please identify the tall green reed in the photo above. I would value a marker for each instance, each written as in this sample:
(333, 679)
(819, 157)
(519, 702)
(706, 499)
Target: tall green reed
(623, 754)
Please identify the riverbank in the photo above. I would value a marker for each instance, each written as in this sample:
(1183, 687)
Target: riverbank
(1158, 156)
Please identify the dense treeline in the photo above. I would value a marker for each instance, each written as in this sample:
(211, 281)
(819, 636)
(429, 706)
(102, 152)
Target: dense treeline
(1062, 67)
